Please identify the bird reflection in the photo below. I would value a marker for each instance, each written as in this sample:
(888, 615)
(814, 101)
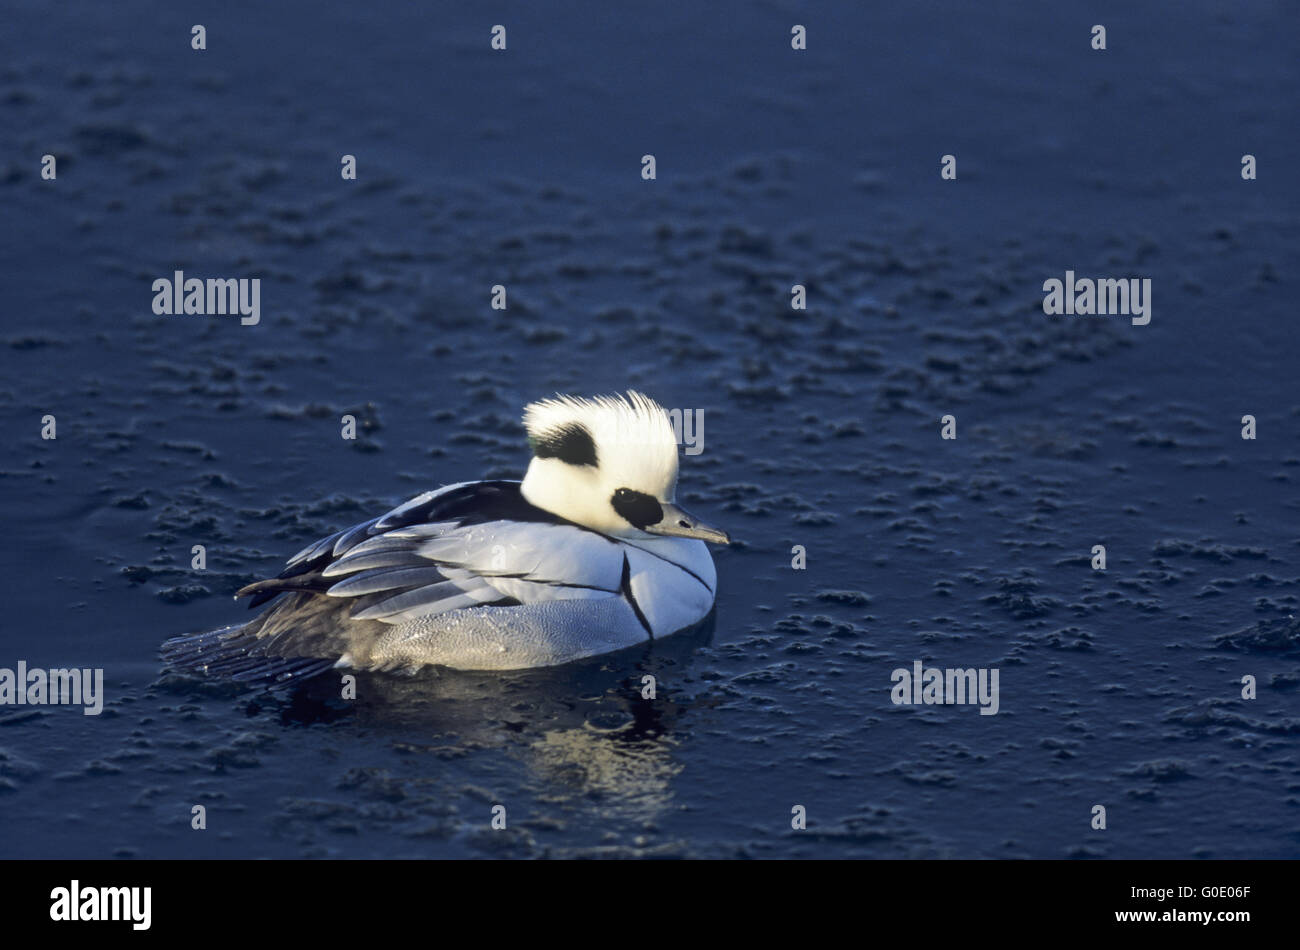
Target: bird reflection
(600, 730)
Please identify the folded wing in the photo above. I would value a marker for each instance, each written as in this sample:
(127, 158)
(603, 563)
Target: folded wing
(460, 547)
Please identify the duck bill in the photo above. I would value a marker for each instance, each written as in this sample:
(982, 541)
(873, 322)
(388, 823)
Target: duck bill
(679, 523)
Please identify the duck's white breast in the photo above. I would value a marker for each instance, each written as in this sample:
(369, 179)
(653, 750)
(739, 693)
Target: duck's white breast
(671, 583)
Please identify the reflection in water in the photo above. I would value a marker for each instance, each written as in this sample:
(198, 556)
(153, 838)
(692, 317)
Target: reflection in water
(625, 779)
(586, 731)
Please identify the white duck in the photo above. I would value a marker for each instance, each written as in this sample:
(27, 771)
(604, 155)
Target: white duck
(587, 555)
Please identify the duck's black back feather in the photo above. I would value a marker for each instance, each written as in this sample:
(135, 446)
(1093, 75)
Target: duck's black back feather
(469, 504)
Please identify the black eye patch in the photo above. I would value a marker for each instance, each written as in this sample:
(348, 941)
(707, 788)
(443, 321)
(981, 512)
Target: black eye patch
(637, 508)
(570, 443)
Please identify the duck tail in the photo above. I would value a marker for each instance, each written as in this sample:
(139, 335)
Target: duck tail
(238, 653)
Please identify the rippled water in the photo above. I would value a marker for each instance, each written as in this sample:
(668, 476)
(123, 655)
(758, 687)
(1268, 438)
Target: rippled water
(1119, 688)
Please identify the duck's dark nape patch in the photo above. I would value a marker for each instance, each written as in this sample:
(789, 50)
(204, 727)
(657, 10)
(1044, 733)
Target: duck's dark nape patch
(637, 508)
(570, 443)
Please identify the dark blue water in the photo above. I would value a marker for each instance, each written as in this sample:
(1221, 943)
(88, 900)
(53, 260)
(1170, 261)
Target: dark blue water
(522, 168)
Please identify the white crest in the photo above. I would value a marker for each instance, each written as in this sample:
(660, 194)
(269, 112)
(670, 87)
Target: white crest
(631, 442)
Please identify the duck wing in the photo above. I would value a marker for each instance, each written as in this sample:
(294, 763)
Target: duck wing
(459, 547)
